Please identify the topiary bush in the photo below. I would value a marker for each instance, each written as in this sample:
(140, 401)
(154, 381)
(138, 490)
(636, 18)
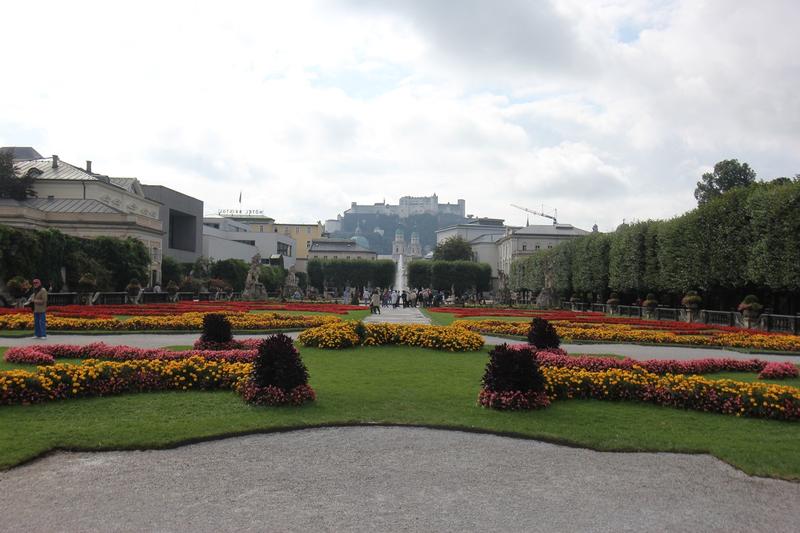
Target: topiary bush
(279, 376)
(216, 329)
(513, 379)
(543, 335)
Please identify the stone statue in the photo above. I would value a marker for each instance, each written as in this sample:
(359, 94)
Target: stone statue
(290, 287)
(548, 298)
(254, 289)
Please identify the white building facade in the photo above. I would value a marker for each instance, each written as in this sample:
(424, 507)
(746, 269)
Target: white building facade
(224, 238)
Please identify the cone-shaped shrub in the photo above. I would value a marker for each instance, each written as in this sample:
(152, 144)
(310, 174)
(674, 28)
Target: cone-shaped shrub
(216, 329)
(278, 376)
(543, 335)
(278, 364)
(513, 380)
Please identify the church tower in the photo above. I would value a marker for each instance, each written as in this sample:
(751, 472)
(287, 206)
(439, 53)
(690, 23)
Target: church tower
(399, 245)
(415, 248)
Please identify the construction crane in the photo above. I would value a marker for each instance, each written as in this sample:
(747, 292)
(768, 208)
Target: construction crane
(531, 211)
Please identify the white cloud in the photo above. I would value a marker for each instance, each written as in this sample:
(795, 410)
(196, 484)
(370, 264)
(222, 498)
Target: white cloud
(605, 110)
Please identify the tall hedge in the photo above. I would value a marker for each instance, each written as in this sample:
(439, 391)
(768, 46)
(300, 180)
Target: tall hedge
(42, 254)
(341, 273)
(744, 241)
(461, 276)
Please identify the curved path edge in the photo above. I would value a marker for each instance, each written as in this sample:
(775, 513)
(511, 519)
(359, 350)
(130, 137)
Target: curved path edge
(391, 478)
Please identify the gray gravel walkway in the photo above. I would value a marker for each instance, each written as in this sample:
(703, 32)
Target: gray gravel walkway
(389, 479)
(409, 315)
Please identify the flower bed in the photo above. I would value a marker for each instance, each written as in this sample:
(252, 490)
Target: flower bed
(758, 400)
(559, 358)
(628, 333)
(103, 378)
(346, 334)
(275, 396)
(46, 354)
(166, 309)
(778, 371)
(182, 322)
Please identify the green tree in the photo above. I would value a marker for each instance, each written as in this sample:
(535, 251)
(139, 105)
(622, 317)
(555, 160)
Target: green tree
(461, 276)
(232, 271)
(419, 273)
(171, 270)
(12, 185)
(271, 276)
(453, 249)
(727, 175)
(125, 258)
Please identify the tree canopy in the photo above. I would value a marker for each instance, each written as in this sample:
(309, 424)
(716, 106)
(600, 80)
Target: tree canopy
(746, 240)
(341, 273)
(727, 175)
(453, 249)
(12, 185)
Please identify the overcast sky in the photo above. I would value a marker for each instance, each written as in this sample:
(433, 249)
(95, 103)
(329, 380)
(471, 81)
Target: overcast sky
(603, 110)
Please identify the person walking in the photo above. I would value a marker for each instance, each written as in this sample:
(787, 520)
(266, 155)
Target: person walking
(376, 302)
(39, 302)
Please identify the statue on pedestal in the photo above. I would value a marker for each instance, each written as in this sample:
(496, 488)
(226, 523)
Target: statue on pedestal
(254, 289)
(548, 298)
(290, 287)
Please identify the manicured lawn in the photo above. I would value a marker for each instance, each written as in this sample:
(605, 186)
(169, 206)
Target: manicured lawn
(748, 376)
(394, 385)
(439, 319)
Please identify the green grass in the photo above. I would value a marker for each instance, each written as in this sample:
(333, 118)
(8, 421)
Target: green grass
(752, 376)
(439, 319)
(394, 385)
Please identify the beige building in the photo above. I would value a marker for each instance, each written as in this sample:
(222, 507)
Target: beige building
(525, 241)
(339, 249)
(80, 203)
(302, 234)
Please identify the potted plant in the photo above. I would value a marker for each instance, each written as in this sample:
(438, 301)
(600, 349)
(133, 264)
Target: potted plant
(612, 302)
(133, 289)
(172, 289)
(750, 306)
(692, 300)
(18, 287)
(87, 285)
(650, 303)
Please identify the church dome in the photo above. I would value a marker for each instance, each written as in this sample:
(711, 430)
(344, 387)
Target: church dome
(361, 241)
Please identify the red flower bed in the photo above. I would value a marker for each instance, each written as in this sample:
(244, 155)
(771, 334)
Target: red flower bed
(46, 354)
(775, 370)
(233, 344)
(275, 396)
(513, 400)
(589, 317)
(162, 309)
(559, 358)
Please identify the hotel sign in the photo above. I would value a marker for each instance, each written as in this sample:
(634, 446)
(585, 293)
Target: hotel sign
(240, 212)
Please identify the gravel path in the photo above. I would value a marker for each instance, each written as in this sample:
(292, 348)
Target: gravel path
(389, 479)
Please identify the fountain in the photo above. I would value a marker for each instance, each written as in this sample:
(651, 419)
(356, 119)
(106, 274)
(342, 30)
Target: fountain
(400, 279)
